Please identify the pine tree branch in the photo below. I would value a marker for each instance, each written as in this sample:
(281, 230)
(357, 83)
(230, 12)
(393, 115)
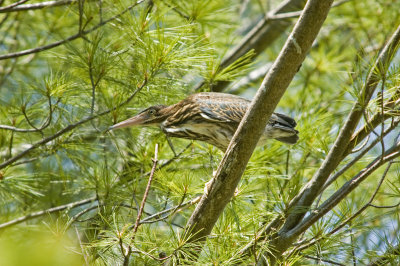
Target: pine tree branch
(337, 153)
(348, 187)
(263, 34)
(19, 130)
(392, 105)
(45, 124)
(339, 173)
(321, 259)
(80, 34)
(69, 128)
(79, 214)
(260, 37)
(384, 259)
(159, 215)
(357, 213)
(34, 6)
(6, 8)
(287, 238)
(47, 211)
(231, 168)
(139, 215)
(146, 193)
(277, 221)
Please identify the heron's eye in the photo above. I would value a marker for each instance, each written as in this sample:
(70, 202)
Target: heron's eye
(152, 112)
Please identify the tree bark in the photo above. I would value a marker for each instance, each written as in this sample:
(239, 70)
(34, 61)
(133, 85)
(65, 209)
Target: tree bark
(302, 202)
(265, 32)
(273, 87)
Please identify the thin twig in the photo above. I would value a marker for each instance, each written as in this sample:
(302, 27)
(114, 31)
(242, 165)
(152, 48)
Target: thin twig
(69, 128)
(44, 125)
(47, 211)
(385, 206)
(362, 145)
(296, 14)
(81, 245)
(79, 214)
(71, 38)
(6, 8)
(146, 193)
(157, 216)
(39, 5)
(348, 187)
(180, 13)
(382, 114)
(339, 173)
(311, 242)
(323, 260)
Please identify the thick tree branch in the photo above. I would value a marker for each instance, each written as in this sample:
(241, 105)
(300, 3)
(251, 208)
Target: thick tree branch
(349, 219)
(337, 152)
(348, 187)
(264, 33)
(260, 37)
(298, 206)
(232, 166)
(339, 173)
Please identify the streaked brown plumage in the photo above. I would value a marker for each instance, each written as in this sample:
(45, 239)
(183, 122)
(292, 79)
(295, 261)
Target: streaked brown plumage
(210, 117)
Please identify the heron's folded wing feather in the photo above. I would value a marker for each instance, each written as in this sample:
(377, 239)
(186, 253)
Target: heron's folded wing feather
(221, 107)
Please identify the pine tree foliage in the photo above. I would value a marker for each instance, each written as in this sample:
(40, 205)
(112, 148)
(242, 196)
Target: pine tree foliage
(70, 191)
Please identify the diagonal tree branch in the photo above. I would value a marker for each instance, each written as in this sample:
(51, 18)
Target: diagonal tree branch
(310, 191)
(264, 33)
(348, 187)
(392, 105)
(338, 152)
(339, 173)
(260, 37)
(349, 219)
(277, 80)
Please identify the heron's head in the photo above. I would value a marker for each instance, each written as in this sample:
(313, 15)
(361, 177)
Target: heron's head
(148, 117)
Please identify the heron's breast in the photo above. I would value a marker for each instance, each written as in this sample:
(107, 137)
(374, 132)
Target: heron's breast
(208, 132)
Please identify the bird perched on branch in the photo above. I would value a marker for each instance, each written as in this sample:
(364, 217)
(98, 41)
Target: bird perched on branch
(210, 117)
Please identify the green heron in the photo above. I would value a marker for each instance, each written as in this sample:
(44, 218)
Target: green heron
(210, 117)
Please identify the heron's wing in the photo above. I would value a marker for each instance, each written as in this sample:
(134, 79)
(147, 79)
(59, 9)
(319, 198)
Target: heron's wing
(221, 107)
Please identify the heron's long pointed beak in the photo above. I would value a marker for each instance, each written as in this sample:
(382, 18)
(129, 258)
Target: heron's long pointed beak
(133, 121)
